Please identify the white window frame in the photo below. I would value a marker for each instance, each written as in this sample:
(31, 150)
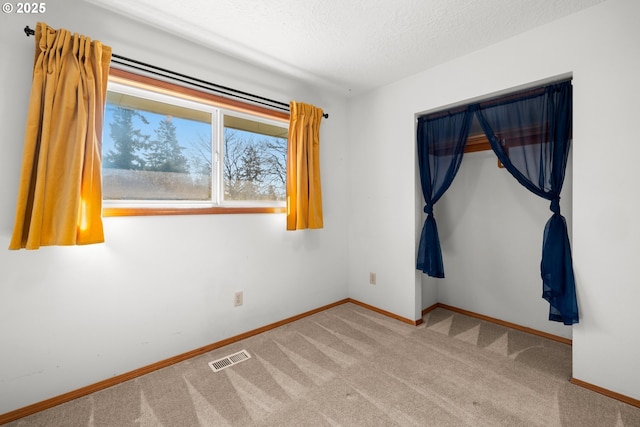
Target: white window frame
(219, 159)
(218, 110)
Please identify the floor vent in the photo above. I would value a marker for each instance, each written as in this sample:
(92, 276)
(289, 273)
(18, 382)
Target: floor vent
(233, 359)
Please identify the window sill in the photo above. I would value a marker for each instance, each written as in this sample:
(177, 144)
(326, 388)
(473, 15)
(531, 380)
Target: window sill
(111, 212)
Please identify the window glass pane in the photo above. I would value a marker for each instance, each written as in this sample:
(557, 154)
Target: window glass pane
(254, 160)
(155, 151)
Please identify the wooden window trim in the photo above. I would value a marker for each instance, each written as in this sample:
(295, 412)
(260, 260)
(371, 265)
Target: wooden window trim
(125, 77)
(112, 211)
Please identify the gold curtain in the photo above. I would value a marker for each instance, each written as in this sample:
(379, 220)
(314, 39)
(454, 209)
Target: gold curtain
(304, 193)
(60, 192)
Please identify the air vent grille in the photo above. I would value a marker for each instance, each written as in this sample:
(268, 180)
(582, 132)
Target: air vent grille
(232, 359)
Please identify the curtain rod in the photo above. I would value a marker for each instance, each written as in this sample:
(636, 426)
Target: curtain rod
(513, 91)
(132, 63)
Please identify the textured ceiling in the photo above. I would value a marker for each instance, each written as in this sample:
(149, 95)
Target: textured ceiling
(346, 45)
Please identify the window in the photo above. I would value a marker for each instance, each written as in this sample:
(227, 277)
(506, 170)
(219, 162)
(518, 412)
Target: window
(168, 149)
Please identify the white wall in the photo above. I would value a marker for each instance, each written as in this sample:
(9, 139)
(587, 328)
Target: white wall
(382, 202)
(601, 48)
(159, 286)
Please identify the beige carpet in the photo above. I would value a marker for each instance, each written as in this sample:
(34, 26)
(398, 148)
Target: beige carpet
(348, 366)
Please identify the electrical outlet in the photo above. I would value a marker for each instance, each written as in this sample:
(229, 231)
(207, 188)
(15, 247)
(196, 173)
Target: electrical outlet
(372, 278)
(237, 299)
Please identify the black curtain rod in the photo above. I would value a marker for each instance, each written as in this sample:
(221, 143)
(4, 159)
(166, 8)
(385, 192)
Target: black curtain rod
(132, 63)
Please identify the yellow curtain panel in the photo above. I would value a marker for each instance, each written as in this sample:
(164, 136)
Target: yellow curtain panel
(60, 193)
(304, 193)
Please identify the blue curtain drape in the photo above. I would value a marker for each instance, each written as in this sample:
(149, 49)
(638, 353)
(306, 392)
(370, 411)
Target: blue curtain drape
(531, 135)
(441, 142)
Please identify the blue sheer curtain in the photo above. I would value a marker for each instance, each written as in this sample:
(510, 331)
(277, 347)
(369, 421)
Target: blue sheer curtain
(441, 141)
(531, 135)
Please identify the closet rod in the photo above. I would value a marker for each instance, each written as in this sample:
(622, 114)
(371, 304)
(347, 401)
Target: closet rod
(132, 63)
